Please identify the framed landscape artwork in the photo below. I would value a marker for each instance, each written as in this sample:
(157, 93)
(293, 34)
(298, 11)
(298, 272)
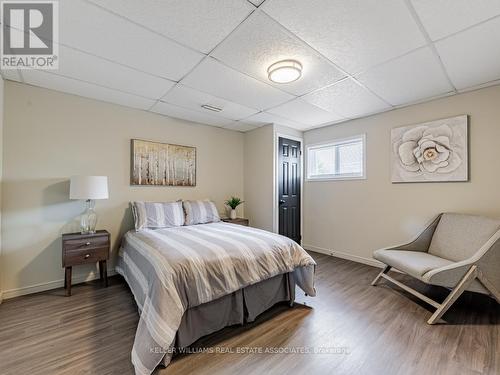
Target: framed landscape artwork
(435, 151)
(162, 164)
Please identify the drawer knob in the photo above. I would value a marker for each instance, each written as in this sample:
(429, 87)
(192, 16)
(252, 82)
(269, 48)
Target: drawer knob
(87, 243)
(87, 256)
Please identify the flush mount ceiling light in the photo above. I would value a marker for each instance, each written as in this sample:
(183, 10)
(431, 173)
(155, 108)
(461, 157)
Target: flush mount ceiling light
(211, 108)
(284, 71)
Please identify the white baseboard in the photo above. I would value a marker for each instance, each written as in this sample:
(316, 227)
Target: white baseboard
(11, 293)
(339, 254)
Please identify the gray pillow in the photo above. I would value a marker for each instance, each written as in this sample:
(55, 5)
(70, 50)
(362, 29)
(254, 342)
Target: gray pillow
(200, 212)
(155, 215)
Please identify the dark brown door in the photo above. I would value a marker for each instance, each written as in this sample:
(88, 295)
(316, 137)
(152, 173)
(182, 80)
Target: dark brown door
(289, 188)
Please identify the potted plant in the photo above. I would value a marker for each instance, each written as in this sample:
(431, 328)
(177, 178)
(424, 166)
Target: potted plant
(233, 203)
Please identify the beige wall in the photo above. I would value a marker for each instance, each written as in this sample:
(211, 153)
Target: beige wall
(260, 174)
(49, 136)
(356, 217)
(1, 158)
(286, 131)
(258, 171)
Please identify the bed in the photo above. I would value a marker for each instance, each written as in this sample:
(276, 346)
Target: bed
(193, 280)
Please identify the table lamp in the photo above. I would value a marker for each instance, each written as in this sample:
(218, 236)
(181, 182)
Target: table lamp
(88, 188)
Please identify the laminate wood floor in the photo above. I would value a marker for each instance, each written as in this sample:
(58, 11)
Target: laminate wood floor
(349, 328)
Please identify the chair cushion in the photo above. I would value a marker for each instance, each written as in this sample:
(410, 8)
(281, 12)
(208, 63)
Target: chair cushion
(414, 263)
(458, 237)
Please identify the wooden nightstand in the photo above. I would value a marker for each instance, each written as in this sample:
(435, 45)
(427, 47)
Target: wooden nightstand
(80, 249)
(238, 220)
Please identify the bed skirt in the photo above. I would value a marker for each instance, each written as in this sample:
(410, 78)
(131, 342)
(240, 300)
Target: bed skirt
(240, 307)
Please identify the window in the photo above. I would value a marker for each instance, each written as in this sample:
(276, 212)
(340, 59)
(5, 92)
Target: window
(341, 159)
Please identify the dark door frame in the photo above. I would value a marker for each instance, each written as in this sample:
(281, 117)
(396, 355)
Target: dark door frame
(277, 136)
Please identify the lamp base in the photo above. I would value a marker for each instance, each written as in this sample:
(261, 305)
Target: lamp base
(88, 220)
(87, 232)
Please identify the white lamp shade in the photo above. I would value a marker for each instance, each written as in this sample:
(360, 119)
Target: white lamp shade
(88, 187)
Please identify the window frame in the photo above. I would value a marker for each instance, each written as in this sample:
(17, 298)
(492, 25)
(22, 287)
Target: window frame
(337, 142)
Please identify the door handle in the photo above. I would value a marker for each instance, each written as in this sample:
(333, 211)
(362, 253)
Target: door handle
(282, 201)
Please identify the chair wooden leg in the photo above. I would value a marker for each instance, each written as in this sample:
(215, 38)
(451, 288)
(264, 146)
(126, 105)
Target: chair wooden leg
(488, 285)
(455, 293)
(384, 271)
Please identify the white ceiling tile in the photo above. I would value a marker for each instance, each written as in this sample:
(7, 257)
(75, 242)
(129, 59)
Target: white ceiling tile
(240, 126)
(219, 80)
(260, 41)
(108, 74)
(89, 28)
(265, 118)
(346, 98)
(72, 86)
(198, 24)
(193, 99)
(354, 34)
(409, 78)
(444, 17)
(12, 74)
(472, 57)
(187, 114)
(305, 113)
(256, 2)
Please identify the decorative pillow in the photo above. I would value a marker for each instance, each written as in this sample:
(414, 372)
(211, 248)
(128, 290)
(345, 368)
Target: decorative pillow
(157, 215)
(200, 212)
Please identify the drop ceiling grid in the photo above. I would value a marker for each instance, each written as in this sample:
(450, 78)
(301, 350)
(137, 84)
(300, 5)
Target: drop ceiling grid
(87, 90)
(467, 28)
(263, 6)
(347, 75)
(464, 71)
(195, 25)
(354, 76)
(184, 96)
(101, 57)
(202, 61)
(91, 29)
(290, 34)
(417, 70)
(429, 41)
(429, 44)
(344, 30)
(34, 77)
(459, 17)
(261, 41)
(338, 68)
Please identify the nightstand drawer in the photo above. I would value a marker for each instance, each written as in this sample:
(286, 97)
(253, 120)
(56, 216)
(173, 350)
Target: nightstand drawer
(78, 248)
(93, 255)
(86, 243)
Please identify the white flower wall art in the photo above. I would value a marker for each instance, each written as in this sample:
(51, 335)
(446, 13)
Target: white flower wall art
(435, 151)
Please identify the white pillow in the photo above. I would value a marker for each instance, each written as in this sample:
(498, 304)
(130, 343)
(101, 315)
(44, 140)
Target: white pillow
(200, 212)
(157, 214)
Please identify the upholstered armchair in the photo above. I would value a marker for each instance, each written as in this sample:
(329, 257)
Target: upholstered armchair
(457, 251)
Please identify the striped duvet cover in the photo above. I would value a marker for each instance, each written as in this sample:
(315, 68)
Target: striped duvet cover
(173, 269)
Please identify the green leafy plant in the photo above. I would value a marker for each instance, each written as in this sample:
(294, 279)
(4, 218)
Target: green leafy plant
(233, 202)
